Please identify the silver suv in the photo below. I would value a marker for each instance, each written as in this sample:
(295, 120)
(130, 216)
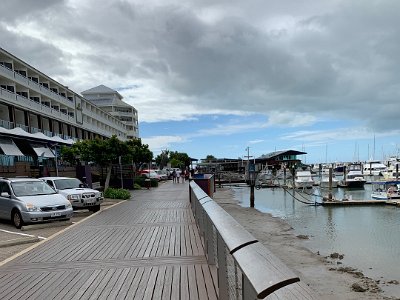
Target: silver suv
(76, 192)
(30, 200)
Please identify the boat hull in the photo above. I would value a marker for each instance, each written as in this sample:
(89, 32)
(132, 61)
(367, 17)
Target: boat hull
(325, 184)
(356, 184)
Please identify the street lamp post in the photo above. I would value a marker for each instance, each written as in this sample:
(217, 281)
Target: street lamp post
(56, 158)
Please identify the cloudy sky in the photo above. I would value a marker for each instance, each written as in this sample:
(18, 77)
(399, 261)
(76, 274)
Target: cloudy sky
(215, 77)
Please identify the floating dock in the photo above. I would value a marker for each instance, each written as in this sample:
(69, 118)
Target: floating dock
(327, 202)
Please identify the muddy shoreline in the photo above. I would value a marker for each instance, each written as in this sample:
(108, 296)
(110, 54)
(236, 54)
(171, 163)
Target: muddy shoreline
(327, 276)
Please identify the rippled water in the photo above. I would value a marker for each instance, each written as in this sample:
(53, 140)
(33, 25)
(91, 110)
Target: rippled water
(368, 236)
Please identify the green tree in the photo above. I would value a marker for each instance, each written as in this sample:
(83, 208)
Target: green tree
(162, 159)
(138, 153)
(181, 158)
(106, 152)
(210, 158)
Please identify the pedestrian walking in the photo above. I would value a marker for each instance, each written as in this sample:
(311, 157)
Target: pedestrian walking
(173, 176)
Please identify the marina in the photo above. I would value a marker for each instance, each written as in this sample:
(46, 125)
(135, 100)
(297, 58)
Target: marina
(363, 229)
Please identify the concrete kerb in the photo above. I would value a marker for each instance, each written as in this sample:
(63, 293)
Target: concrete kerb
(46, 225)
(53, 236)
(19, 241)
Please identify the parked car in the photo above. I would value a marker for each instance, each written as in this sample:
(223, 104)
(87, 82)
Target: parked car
(163, 174)
(150, 174)
(30, 200)
(76, 192)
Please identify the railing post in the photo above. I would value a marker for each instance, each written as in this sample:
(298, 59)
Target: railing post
(222, 269)
(209, 240)
(248, 292)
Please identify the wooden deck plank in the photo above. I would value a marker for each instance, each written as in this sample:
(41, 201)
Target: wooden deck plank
(157, 242)
(78, 285)
(111, 293)
(151, 283)
(127, 287)
(36, 285)
(182, 242)
(210, 278)
(158, 288)
(88, 285)
(7, 281)
(45, 289)
(167, 286)
(13, 285)
(107, 280)
(176, 283)
(115, 244)
(144, 248)
(201, 284)
(142, 243)
(29, 284)
(134, 247)
(127, 243)
(147, 250)
(184, 283)
(162, 243)
(61, 284)
(167, 242)
(141, 284)
(100, 244)
(192, 284)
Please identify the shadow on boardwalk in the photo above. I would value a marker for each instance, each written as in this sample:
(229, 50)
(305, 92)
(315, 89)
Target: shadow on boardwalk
(146, 248)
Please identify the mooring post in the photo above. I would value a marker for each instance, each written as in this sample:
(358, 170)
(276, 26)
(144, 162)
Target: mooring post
(330, 185)
(252, 195)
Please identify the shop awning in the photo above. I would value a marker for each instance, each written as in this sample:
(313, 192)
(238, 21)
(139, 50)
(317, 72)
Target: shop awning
(42, 151)
(9, 148)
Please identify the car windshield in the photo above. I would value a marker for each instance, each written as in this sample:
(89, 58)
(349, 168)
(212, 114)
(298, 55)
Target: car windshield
(31, 188)
(67, 183)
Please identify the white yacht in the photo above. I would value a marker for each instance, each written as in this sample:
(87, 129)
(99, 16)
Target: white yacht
(303, 180)
(375, 168)
(354, 177)
(393, 170)
(324, 182)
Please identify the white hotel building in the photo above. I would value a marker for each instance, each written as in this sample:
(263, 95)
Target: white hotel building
(38, 114)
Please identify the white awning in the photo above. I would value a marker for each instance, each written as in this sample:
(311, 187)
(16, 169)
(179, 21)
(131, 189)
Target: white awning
(43, 151)
(9, 148)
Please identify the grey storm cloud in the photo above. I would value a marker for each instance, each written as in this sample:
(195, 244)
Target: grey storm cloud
(339, 58)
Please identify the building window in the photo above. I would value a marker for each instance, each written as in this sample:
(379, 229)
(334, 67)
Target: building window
(6, 64)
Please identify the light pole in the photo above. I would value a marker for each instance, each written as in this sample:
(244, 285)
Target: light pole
(56, 159)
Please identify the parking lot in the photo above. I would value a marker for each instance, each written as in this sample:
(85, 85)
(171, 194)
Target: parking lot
(13, 241)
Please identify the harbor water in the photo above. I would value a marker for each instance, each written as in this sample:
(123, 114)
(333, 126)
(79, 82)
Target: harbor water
(368, 236)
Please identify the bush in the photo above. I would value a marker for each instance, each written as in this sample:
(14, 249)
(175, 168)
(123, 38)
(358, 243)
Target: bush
(117, 194)
(137, 186)
(141, 181)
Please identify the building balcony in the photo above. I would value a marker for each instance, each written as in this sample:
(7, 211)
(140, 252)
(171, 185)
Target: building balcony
(26, 82)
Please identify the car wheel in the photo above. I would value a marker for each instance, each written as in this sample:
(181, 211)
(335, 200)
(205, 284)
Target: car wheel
(16, 218)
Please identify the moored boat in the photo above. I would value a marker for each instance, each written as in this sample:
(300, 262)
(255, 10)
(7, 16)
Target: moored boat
(303, 180)
(324, 182)
(354, 177)
(374, 168)
(386, 190)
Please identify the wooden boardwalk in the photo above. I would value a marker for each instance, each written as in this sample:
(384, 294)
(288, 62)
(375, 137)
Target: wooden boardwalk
(148, 248)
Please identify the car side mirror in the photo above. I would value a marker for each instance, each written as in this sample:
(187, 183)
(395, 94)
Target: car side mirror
(5, 195)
